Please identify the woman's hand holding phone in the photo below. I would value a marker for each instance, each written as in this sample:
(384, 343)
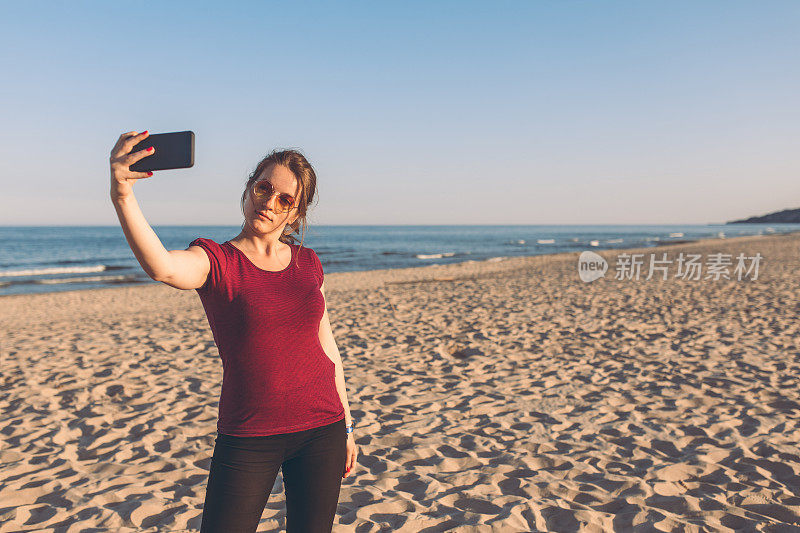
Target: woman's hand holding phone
(122, 177)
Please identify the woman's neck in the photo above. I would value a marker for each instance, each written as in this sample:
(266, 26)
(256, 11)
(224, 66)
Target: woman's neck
(264, 244)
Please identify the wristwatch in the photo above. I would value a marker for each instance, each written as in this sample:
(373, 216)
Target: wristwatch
(350, 428)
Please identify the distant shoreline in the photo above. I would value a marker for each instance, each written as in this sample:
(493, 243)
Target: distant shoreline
(467, 263)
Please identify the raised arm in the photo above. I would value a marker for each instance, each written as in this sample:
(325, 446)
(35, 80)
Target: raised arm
(182, 269)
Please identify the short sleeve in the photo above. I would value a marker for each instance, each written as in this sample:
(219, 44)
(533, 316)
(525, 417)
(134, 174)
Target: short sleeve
(217, 258)
(319, 275)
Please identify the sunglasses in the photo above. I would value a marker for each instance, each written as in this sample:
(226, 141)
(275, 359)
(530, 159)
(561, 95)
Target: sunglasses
(263, 190)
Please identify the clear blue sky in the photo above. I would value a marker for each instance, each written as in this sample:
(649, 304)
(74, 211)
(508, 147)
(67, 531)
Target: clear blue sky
(559, 112)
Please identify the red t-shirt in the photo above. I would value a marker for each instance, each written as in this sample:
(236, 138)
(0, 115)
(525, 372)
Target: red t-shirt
(276, 377)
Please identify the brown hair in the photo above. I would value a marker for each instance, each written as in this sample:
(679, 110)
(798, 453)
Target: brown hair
(306, 178)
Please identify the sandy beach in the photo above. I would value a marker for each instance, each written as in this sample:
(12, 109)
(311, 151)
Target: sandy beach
(488, 396)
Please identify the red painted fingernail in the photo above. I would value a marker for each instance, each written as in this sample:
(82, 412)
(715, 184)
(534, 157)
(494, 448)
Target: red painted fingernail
(151, 149)
(145, 131)
(150, 173)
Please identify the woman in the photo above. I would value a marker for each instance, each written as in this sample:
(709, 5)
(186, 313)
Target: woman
(284, 401)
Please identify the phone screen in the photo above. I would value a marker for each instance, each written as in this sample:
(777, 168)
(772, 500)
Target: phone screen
(173, 150)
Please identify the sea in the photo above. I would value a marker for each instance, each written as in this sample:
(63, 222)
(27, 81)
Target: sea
(39, 259)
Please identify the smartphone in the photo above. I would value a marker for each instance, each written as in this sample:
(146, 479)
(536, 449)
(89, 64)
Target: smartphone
(173, 150)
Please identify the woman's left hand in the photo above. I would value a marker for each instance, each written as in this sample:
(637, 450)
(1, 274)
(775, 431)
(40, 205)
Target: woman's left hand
(352, 453)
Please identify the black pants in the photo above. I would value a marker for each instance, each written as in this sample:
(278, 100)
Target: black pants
(243, 471)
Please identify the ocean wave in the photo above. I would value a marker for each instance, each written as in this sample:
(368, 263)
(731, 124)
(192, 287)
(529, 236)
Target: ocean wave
(86, 279)
(435, 256)
(53, 270)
